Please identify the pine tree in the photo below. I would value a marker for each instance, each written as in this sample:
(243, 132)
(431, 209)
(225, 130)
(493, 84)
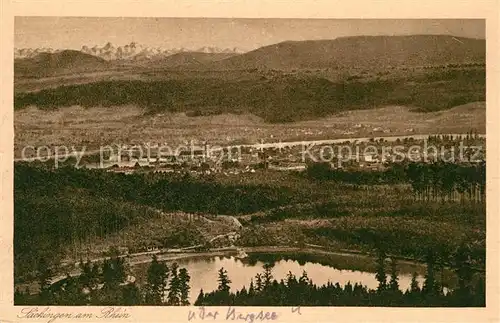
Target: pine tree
(94, 276)
(304, 279)
(267, 276)
(441, 263)
(131, 295)
(184, 279)
(251, 289)
(157, 277)
(430, 285)
(108, 272)
(174, 286)
(380, 274)
(72, 294)
(393, 283)
(414, 287)
(120, 269)
(291, 281)
(258, 283)
(200, 298)
(114, 271)
(348, 288)
(243, 292)
(223, 280)
(89, 276)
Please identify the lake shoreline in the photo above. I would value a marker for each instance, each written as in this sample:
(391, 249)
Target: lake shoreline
(312, 250)
(367, 260)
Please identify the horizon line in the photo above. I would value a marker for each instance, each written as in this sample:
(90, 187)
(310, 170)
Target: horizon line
(245, 50)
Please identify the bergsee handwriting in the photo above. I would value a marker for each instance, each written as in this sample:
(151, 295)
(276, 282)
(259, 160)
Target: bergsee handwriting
(232, 315)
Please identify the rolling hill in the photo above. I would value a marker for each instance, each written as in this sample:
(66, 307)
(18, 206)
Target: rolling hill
(64, 62)
(456, 76)
(361, 52)
(276, 99)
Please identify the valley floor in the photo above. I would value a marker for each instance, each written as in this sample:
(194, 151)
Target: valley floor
(95, 127)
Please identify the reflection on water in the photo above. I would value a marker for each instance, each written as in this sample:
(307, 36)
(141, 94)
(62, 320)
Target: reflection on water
(203, 272)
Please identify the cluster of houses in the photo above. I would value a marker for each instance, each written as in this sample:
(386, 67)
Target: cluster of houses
(204, 161)
(243, 159)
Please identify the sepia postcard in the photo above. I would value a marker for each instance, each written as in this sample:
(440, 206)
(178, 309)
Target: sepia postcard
(249, 162)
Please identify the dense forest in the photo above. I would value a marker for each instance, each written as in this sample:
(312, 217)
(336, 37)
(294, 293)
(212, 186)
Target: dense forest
(106, 284)
(70, 207)
(438, 181)
(283, 98)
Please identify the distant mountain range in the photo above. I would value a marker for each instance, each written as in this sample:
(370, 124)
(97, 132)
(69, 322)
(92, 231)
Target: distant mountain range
(132, 51)
(360, 52)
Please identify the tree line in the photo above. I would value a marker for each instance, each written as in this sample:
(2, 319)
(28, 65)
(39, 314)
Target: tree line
(470, 136)
(447, 182)
(106, 284)
(167, 192)
(264, 290)
(438, 181)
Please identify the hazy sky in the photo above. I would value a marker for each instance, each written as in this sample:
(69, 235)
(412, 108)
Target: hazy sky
(192, 33)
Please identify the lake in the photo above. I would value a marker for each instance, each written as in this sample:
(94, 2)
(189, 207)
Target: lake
(320, 269)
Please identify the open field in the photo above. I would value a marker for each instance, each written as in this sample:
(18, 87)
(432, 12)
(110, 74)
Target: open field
(128, 125)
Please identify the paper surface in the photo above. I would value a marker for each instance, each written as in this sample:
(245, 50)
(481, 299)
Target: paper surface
(244, 9)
